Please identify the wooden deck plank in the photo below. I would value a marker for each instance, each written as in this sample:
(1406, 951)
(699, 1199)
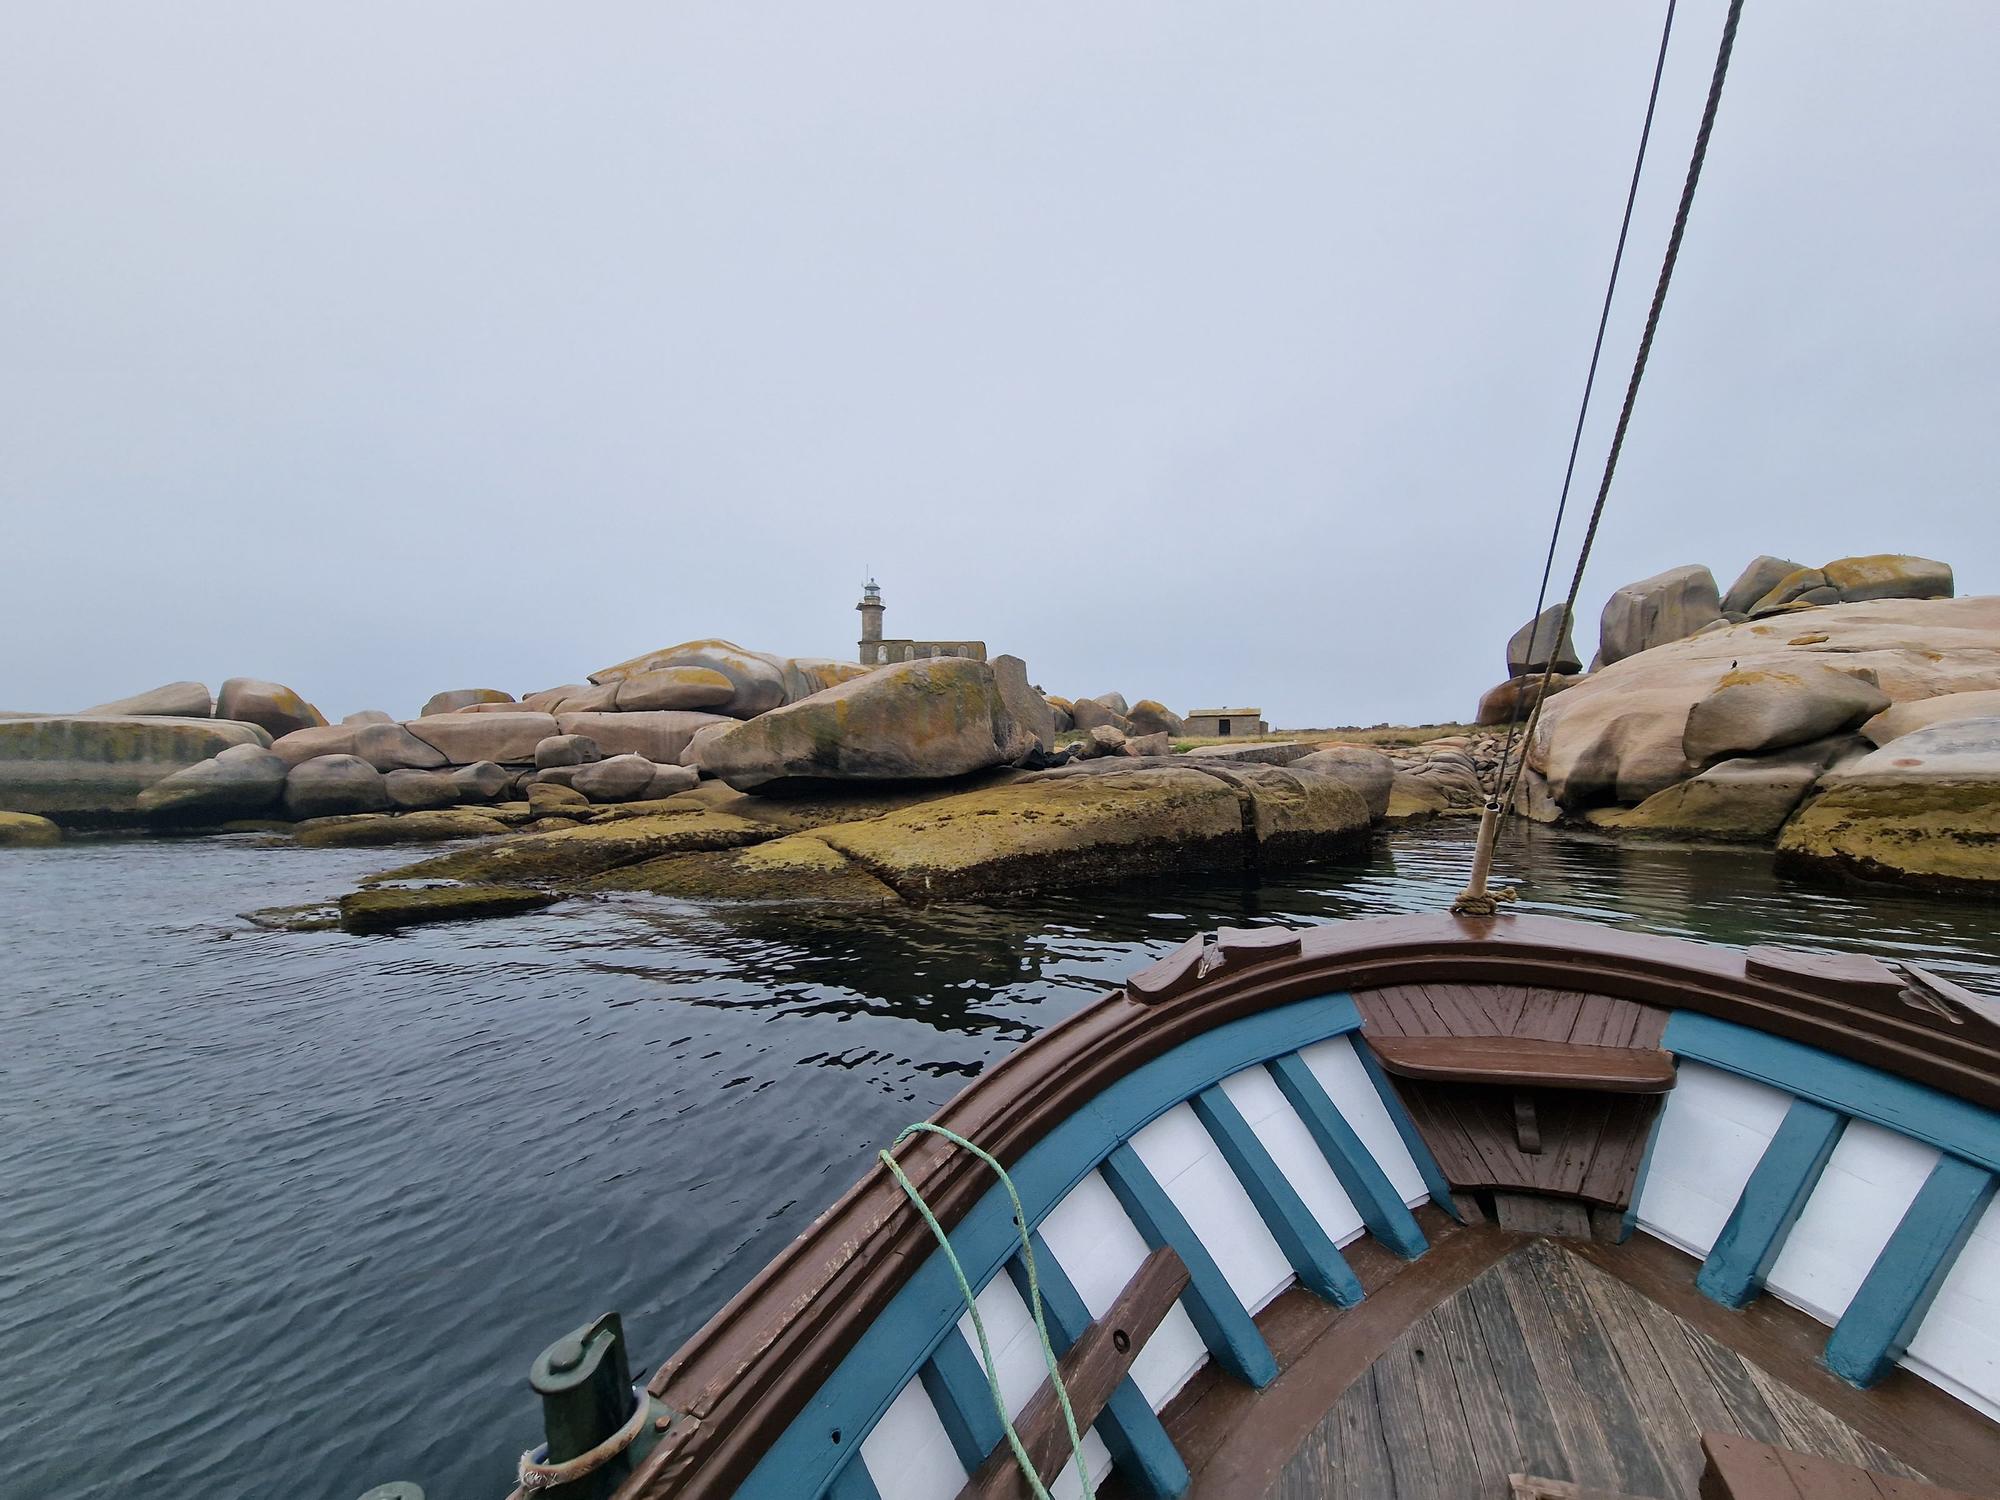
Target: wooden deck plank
(1431, 1366)
(1406, 1429)
(1488, 1414)
(1531, 1402)
(1673, 1429)
(1577, 1331)
(1548, 1014)
(1810, 1429)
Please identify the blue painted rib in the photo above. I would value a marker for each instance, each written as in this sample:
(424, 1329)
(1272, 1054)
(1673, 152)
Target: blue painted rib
(1427, 1165)
(1630, 1219)
(890, 1352)
(1771, 1202)
(853, 1482)
(956, 1383)
(1131, 1429)
(1321, 1268)
(1367, 1186)
(1953, 1125)
(1890, 1305)
(1224, 1324)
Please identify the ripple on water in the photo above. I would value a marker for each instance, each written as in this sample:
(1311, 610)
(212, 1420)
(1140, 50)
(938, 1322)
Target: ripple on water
(274, 1184)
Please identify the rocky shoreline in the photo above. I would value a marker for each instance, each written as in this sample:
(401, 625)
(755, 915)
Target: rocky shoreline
(1846, 716)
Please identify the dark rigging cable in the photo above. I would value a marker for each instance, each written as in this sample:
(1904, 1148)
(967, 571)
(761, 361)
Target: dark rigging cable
(1589, 384)
(1700, 153)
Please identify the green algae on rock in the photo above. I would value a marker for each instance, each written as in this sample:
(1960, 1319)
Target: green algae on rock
(27, 831)
(361, 830)
(386, 908)
(797, 867)
(575, 854)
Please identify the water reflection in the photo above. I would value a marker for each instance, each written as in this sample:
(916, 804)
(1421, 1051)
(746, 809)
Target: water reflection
(284, 1182)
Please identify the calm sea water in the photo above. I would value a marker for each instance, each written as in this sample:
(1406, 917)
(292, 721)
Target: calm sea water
(290, 1214)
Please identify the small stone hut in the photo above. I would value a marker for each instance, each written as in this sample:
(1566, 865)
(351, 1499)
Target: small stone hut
(1208, 723)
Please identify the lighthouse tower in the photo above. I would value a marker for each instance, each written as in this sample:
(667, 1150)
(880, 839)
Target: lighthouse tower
(871, 624)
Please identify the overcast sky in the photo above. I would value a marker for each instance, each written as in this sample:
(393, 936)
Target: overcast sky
(1206, 352)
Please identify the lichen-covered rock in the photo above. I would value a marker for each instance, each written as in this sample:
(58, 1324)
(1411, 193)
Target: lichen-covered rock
(176, 700)
(271, 706)
(391, 747)
(87, 771)
(1669, 606)
(372, 830)
(1115, 702)
(552, 797)
(669, 781)
(1262, 753)
(328, 785)
(658, 734)
(384, 909)
(1060, 710)
(1039, 832)
(1924, 809)
(482, 781)
(567, 750)
(1763, 575)
(1413, 800)
(27, 831)
(1888, 575)
(673, 687)
(1160, 743)
(1028, 709)
(913, 721)
(1102, 740)
(1617, 736)
(618, 779)
(576, 854)
(465, 739)
(758, 679)
(415, 791)
(1746, 799)
(1369, 773)
(695, 755)
(1513, 700)
(1759, 708)
(1297, 817)
(1920, 713)
(1150, 716)
(368, 716)
(806, 675)
(302, 745)
(1091, 713)
(1548, 634)
(1800, 586)
(454, 699)
(798, 867)
(239, 782)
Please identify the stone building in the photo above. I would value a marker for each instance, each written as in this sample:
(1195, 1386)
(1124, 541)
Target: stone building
(1208, 723)
(876, 651)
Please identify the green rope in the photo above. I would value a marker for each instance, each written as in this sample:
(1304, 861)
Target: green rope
(972, 1305)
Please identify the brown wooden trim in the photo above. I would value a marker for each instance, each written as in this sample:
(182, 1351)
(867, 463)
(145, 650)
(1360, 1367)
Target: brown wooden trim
(748, 1371)
(1525, 1062)
(1741, 1468)
(1090, 1372)
(1236, 1440)
(1934, 1433)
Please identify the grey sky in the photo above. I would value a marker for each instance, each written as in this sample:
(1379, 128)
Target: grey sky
(1200, 351)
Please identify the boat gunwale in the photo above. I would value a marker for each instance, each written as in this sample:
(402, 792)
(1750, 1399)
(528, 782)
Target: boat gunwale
(752, 1367)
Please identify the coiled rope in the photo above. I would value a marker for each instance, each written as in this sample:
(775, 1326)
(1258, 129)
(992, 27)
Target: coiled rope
(1510, 784)
(1021, 1458)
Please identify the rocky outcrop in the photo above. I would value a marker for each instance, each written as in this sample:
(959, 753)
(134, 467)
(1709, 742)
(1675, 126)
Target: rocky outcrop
(454, 699)
(797, 867)
(1028, 709)
(483, 781)
(660, 734)
(391, 747)
(1746, 799)
(672, 687)
(1530, 648)
(757, 680)
(27, 831)
(1262, 753)
(1368, 773)
(1889, 575)
(695, 755)
(368, 716)
(330, 784)
(567, 750)
(303, 744)
(912, 721)
(1618, 735)
(1087, 714)
(1924, 809)
(1754, 582)
(1150, 716)
(1920, 713)
(87, 771)
(1759, 708)
(1115, 702)
(621, 778)
(244, 781)
(387, 910)
(420, 791)
(176, 700)
(1669, 606)
(462, 739)
(1515, 699)
(271, 706)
